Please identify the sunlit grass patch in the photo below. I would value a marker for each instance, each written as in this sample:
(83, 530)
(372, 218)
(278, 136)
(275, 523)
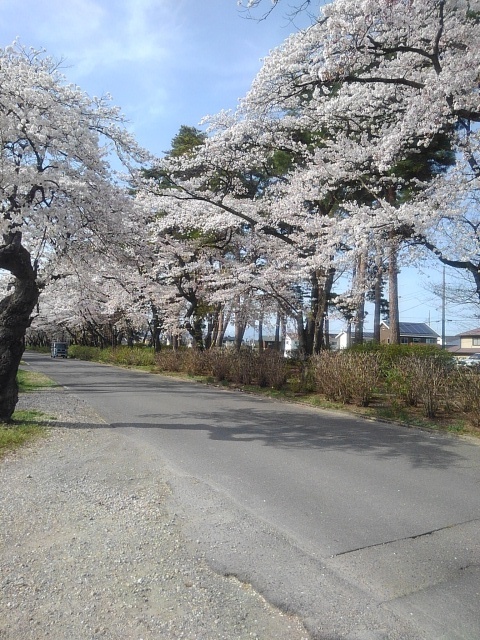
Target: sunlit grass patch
(32, 380)
(25, 426)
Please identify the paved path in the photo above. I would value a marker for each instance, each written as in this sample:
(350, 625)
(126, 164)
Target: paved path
(364, 530)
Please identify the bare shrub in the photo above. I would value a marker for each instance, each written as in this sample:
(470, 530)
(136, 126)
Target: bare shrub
(466, 394)
(169, 360)
(460, 390)
(422, 379)
(402, 380)
(243, 366)
(306, 382)
(220, 364)
(195, 362)
(347, 376)
(326, 370)
(364, 369)
(429, 377)
(271, 369)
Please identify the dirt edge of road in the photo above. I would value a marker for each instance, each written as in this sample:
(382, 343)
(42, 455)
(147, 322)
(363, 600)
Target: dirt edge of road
(89, 548)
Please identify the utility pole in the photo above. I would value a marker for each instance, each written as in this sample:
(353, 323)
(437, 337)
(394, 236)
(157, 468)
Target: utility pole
(443, 309)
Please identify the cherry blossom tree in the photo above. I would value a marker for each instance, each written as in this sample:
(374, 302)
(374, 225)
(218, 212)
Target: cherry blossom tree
(58, 192)
(384, 80)
(349, 101)
(226, 184)
(265, 7)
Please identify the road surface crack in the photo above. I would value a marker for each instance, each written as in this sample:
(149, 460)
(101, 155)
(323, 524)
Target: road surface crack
(414, 537)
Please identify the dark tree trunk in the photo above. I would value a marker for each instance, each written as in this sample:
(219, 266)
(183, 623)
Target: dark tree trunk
(324, 282)
(311, 333)
(195, 329)
(156, 329)
(260, 334)
(240, 328)
(223, 322)
(15, 318)
(194, 323)
(301, 335)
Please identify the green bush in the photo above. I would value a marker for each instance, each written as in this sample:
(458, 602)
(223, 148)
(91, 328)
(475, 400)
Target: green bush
(84, 353)
(126, 356)
(401, 381)
(389, 354)
(130, 356)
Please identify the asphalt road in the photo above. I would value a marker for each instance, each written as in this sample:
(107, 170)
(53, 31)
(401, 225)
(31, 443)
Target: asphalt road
(365, 530)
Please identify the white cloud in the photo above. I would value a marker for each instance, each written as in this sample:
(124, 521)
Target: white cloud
(94, 34)
(165, 62)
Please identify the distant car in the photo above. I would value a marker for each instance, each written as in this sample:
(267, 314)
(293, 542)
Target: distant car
(472, 360)
(59, 350)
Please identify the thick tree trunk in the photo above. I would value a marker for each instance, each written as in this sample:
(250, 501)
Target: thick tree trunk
(195, 329)
(301, 335)
(15, 318)
(240, 322)
(194, 323)
(223, 322)
(324, 291)
(311, 333)
(240, 328)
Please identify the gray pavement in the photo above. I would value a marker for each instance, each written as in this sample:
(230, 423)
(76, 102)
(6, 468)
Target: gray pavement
(365, 530)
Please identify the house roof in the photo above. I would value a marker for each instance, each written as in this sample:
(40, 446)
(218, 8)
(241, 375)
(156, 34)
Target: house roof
(367, 335)
(415, 329)
(462, 352)
(472, 332)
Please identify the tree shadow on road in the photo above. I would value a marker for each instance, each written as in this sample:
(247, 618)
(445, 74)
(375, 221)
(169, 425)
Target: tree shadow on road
(313, 431)
(243, 419)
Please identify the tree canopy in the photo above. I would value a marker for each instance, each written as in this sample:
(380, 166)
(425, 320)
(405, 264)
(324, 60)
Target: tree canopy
(356, 147)
(58, 193)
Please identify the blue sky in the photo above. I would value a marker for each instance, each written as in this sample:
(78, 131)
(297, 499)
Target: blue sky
(171, 62)
(165, 62)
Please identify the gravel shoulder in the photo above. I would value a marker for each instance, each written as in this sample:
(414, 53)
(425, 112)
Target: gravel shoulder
(89, 548)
